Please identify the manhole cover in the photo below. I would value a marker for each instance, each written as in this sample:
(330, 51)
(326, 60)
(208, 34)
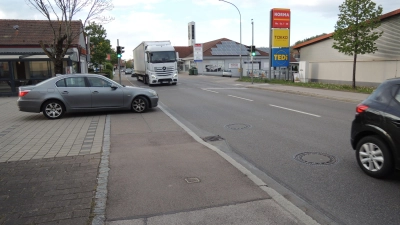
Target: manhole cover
(315, 158)
(213, 138)
(238, 126)
(191, 180)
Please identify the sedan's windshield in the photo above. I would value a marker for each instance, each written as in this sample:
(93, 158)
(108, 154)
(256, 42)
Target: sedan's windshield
(162, 57)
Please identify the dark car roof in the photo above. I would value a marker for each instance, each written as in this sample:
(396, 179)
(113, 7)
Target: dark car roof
(395, 80)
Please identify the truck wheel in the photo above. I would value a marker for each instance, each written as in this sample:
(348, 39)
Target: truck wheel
(137, 78)
(145, 80)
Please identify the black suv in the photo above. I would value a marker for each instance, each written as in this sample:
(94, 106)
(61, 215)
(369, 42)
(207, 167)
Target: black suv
(375, 131)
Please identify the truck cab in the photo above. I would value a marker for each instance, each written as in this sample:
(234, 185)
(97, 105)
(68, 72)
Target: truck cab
(161, 64)
(155, 63)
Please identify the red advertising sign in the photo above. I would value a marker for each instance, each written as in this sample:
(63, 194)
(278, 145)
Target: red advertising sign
(280, 18)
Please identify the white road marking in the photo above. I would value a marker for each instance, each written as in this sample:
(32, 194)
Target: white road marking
(295, 110)
(210, 91)
(225, 88)
(241, 98)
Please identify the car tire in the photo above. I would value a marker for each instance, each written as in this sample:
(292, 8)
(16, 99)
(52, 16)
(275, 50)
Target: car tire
(374, 157)
(140, 104)
(53, 109)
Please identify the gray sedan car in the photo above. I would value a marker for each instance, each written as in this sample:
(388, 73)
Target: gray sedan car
(83, 93)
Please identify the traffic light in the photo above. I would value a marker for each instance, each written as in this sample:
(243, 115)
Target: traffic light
(253, 50)
(120, 50)
(249, 49)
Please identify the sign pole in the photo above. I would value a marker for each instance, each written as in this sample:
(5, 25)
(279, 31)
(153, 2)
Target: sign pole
(252, 46)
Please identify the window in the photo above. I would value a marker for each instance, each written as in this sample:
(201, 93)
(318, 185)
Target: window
(61, 83)
(397, 96)
(75, 82)
(39, 69)
(4, 70)
(98, 82)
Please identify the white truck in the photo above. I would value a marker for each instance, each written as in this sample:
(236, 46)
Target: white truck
(155, 63)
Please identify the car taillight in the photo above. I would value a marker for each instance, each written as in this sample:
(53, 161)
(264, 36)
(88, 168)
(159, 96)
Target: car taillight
(23, 93)
(361, 108)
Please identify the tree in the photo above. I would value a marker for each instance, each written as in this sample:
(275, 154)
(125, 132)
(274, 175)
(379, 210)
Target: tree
(99, 45)
(63, 31)
(354, 30)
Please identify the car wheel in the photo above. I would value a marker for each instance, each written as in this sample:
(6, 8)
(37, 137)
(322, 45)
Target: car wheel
(140, 104)
(53, 109)
(374, 157)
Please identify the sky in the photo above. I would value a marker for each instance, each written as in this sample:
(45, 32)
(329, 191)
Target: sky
(159, 20)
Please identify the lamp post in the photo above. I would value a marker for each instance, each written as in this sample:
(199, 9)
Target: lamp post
(240, 47)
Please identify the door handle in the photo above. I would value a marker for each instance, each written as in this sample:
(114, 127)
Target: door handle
(95, 92)
(65, 92)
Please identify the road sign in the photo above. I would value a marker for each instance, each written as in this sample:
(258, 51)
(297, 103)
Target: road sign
(198, 52)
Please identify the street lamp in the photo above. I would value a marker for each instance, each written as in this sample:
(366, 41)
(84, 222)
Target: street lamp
(240, 47)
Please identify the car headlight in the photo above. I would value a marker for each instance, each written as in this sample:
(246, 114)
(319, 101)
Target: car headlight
(152, 76)
(152, 92)
(175, 75)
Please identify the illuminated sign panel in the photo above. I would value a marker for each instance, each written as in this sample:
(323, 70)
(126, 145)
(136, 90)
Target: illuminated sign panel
(280, 18)
(280, 57)
(280, 38)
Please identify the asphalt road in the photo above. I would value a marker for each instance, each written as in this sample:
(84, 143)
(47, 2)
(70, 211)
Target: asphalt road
(298, 145)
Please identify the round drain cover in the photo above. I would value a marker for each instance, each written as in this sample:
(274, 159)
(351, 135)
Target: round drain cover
(315, 158)
(238, 126)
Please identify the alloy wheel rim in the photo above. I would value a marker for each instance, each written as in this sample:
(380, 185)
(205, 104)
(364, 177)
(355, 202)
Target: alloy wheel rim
(138, 105)
(371, 157)
(53, 110)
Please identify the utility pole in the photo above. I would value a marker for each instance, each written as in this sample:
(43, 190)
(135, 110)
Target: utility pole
(252, 46)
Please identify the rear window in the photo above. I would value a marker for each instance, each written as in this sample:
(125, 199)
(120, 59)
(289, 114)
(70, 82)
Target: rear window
(381, 94)
(396, 92)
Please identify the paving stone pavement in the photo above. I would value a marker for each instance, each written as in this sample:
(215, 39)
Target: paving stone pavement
(48, 191)
(48, 168)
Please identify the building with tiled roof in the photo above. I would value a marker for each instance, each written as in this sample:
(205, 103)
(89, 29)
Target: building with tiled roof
(222, 54)
(22, 60)
(319, 62)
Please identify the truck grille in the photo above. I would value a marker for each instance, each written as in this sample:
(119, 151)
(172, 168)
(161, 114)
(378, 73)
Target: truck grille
(164, 71)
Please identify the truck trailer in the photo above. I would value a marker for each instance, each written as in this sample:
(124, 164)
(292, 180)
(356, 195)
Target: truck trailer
(155, 63)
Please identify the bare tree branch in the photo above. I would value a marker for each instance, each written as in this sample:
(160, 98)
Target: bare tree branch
(64, 32)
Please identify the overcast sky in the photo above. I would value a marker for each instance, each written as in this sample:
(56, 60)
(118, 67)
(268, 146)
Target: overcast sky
(152, 20)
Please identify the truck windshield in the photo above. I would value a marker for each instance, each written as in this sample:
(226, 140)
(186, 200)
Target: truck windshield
(162, 57)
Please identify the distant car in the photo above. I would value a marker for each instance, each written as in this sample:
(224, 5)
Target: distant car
(227, 73)
(375, 131)
(128, 71)
(83, 93)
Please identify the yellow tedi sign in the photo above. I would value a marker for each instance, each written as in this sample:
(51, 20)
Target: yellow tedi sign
(280, 38)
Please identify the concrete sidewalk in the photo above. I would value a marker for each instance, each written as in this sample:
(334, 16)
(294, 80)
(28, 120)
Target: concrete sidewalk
(162, 173)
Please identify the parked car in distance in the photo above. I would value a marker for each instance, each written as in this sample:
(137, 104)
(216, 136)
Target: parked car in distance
(375, 131)
(128, 71)
(227, 73)
(83, 93)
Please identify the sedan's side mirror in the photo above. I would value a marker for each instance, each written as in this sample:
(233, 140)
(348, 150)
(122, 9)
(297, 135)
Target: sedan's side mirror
(113, 86)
